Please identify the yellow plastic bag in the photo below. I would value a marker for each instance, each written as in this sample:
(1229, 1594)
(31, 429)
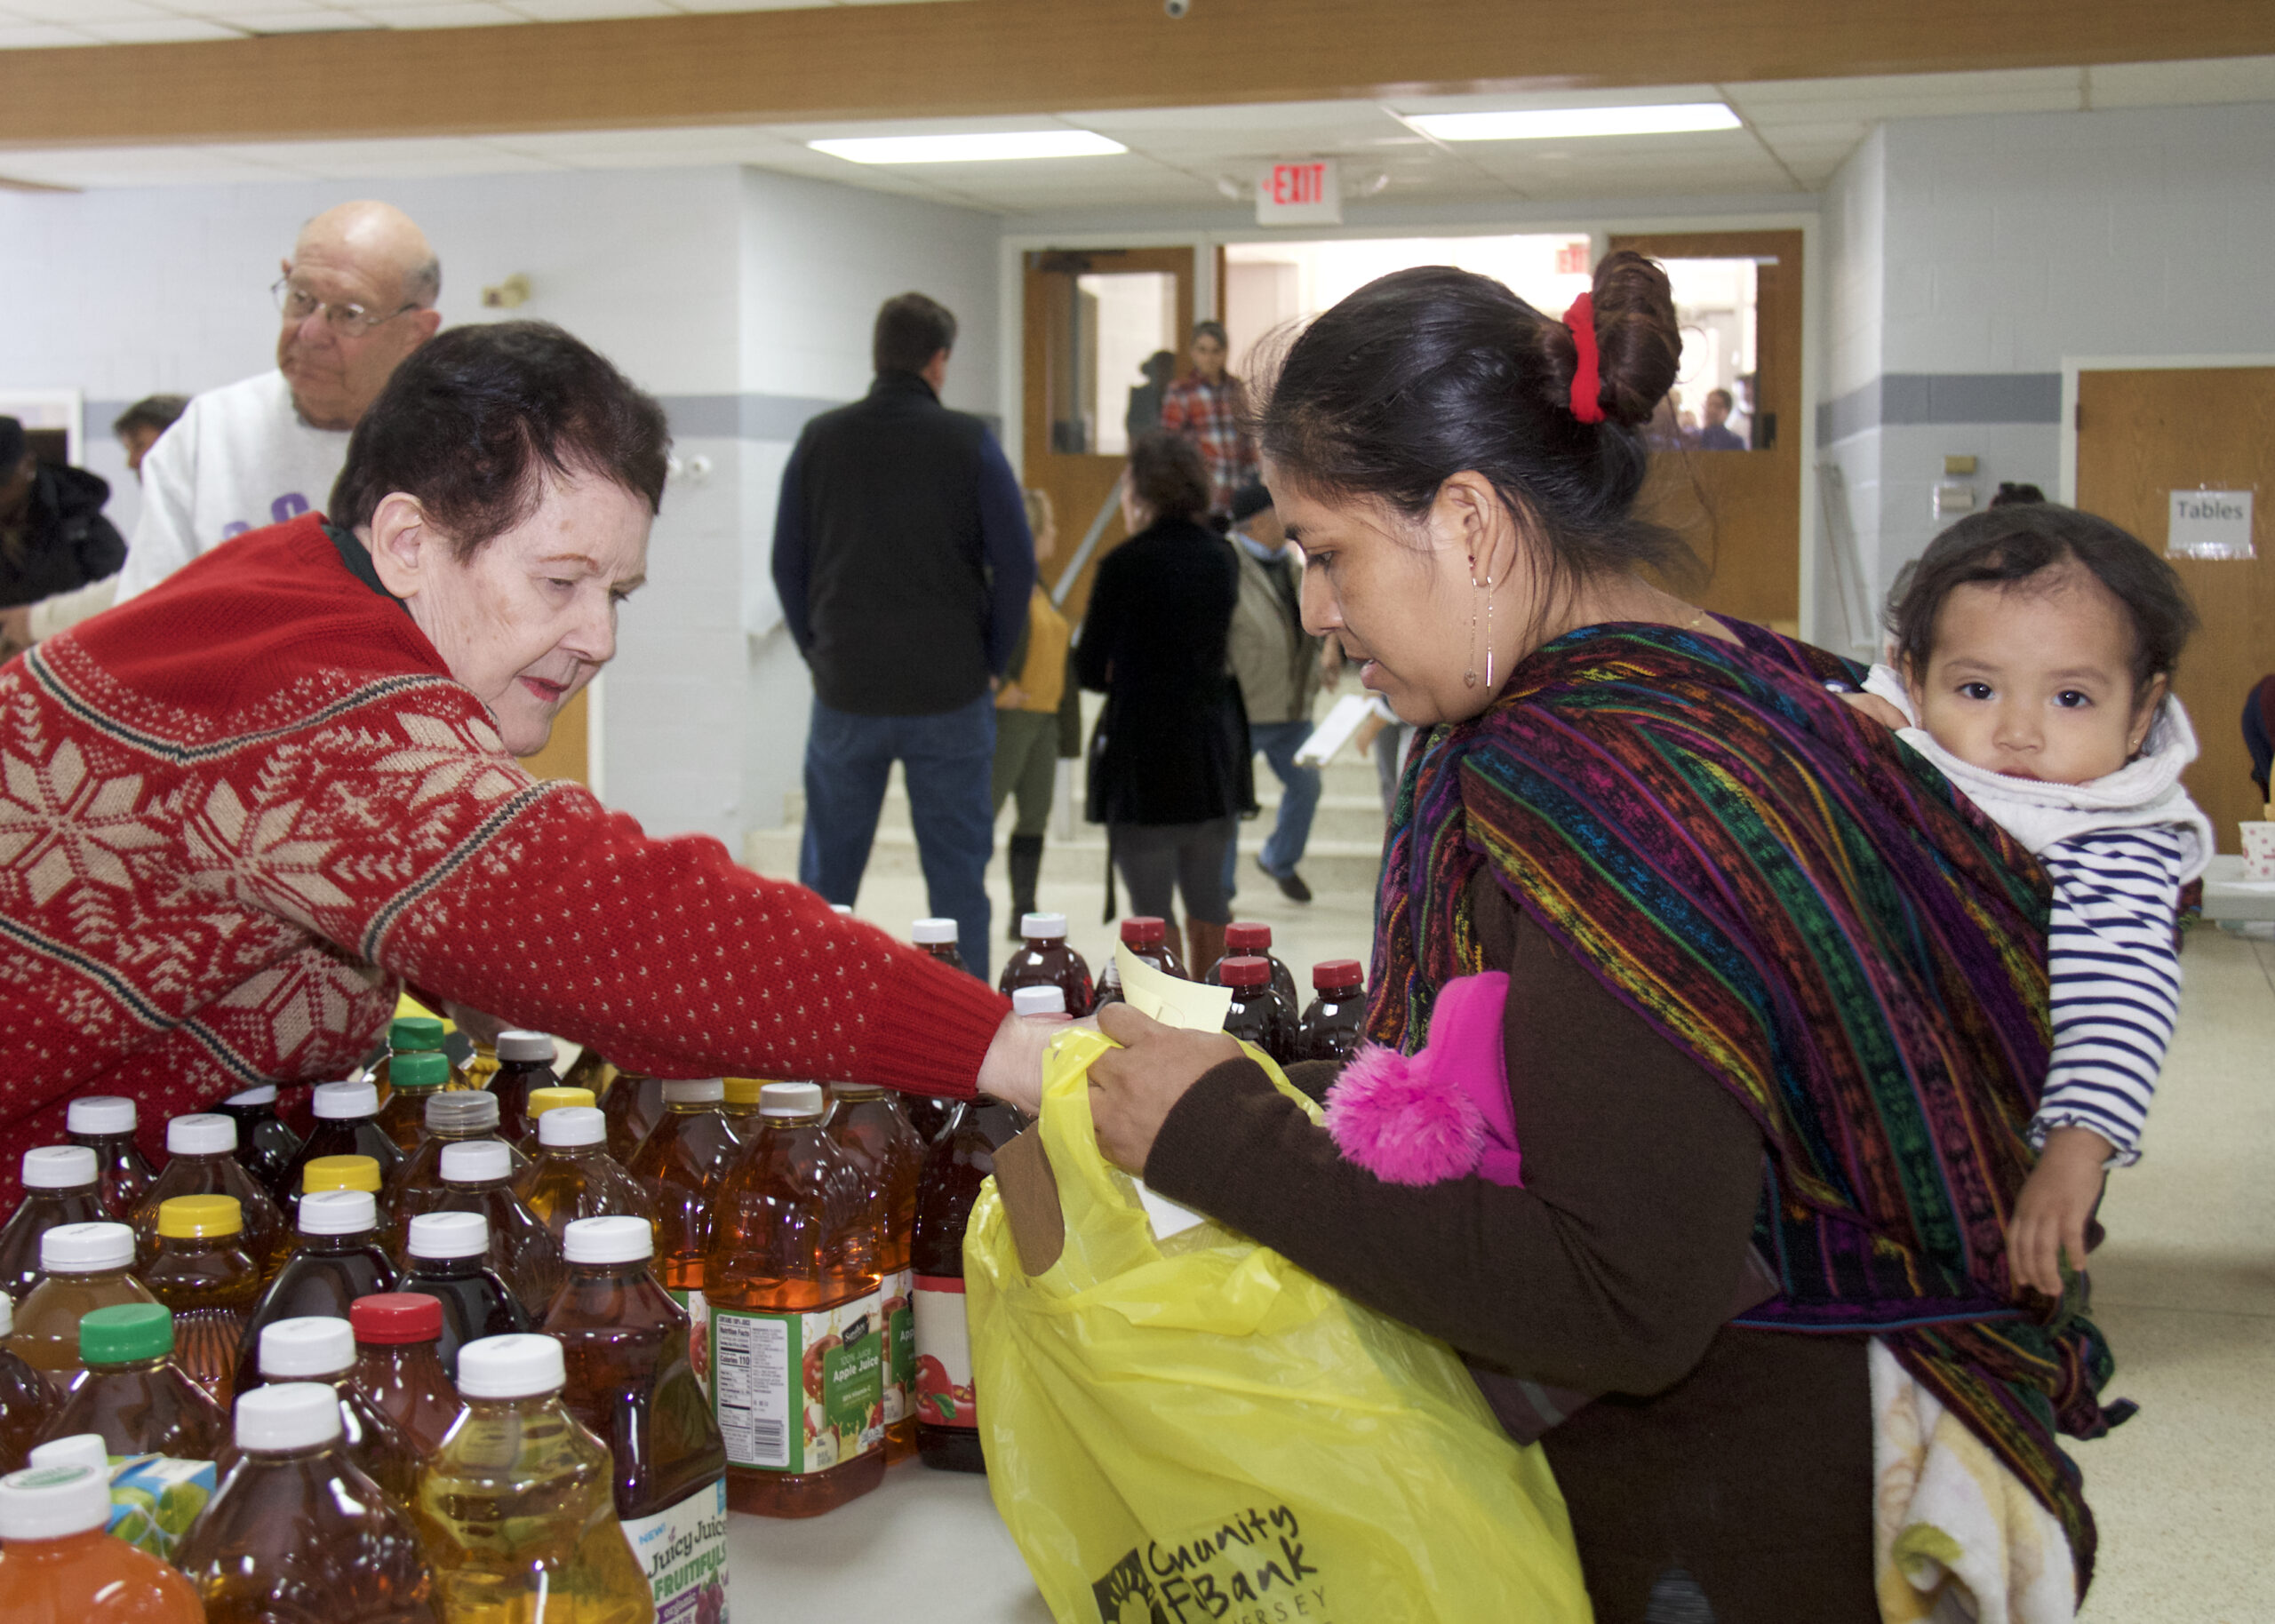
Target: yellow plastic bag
(1195, 1431)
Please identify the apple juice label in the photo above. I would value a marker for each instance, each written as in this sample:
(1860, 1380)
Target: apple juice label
(682, 1550)
(944, 1396)
(799, 1392)
(900, 1346)
(698, 1331)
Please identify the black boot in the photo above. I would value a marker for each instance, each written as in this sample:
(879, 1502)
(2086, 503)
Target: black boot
(1023, 860)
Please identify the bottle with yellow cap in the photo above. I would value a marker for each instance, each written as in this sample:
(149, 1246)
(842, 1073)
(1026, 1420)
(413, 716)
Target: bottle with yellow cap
(543, 1100)
(341, 1258)
(741, 1107)
(418, 1075)
(206, 1276)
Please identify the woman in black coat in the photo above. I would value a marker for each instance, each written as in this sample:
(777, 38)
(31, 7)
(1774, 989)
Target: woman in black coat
(1169, 771)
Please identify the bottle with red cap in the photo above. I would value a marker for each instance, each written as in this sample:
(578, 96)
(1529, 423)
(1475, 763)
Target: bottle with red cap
(1255, 1015)
(1252, 938)
(339, 1259)
(62, 1184)
(1045, 958)
(202, 1160)
(105, 1123)
(937, 939)
(1147, 936)
(1330, 1029)
(397, 1369)
(266, 1143)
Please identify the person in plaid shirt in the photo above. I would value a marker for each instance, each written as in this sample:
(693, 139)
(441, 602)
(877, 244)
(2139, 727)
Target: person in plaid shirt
(1206, 406)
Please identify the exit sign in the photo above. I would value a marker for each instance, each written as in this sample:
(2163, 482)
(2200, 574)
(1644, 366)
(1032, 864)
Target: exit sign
(1309, 193)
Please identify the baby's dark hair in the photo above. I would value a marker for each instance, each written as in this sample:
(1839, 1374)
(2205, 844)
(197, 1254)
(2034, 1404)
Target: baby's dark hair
(2012, 544)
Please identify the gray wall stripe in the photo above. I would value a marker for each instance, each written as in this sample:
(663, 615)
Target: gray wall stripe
(1896, 398)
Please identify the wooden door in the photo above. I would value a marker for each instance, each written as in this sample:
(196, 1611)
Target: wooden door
(1073, 403)
(567, 753)
(2142, 436)
(1741, 510)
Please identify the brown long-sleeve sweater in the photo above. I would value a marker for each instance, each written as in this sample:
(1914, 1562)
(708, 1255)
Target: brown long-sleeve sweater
(1741, 1459)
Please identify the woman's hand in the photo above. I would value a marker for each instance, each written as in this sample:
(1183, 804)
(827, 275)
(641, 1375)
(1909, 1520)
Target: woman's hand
(1133, 1087)
(1010, 695)
(2057, 1203)
(1012, 1069)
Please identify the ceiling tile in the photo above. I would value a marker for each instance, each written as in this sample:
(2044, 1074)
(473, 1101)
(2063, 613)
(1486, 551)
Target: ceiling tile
(77, 13)
(1654, 95)
(37, 36)
(297, 21)
(450, 14)
(160, 31)
(2037, 89)
(2137, 85)
(587, 10)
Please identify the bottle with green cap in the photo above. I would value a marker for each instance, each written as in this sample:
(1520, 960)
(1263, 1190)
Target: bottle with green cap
(24, 1398)
(340, 1257)
(61, 1185)
(416, 1076)
(347, 1124)
(202, 1160)
(413, 1035)
(133, 1393)
(451, 1119)
(87, 1266)
(204, 1274)
(58, 1562)
(265, 1143)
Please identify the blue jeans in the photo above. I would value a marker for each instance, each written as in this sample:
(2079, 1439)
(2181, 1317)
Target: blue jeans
(1299, 787)
(947, 760)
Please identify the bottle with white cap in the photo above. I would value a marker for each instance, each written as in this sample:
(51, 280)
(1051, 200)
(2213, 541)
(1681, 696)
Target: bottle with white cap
(518, 1508)
(202, 1160)
(576, 1177)
(134, 1395)
(632, 1381)
(938, 940)
(62, 1184)
(867, 1123)
(1045, 958)
(797, 1344)
(458, 1115)
(24, 1398)
(341, 1256)
(265, 1143)
(413, 1078)
(105, 1123)
(316, 1348)
(58, 1562)
(478, 1177)
(88, 1266)
(525, 1062)
(297, 1528)
(347, 1124)
(552, 1097)
(448, 1259)
(679, 1165)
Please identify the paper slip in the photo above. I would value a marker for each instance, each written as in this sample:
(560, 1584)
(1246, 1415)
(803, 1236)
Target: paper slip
(1342, 719)
(1193, 1005)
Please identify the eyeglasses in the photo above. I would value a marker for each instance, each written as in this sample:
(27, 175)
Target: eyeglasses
(348, 320)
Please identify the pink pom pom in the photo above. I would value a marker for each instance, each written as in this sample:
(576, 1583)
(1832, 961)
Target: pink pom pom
(1389, 1115)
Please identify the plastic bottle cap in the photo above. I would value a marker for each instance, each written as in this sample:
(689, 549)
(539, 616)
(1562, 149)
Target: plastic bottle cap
(187, 1217)
(264, 1094)
(476, 1161)
(413, 1033)
(526, 1046)
(609, 1240)
(743, 1090)
(60, 1167)
(126, 1332)
(391, 1318)
(1338, 973)
(468, 1110)
(52, 1502)
(85, 1248)
(447, 1235)
(1144, 931)
(325, 1173)
(288, 1414)
(932, 932)
(1244, 972)
(345, 1102)
(100, 1113)
(790, 1099)
(1248, 933)
(416, 1071)
(308, 1346)
(338, 1212)
(843, 910)
(80, 1449)
(1046, 925)
(694, 1090)
(572, 1125)
(206, 1134)
(557, 1098)
(517, 1366)
(1039, 1001)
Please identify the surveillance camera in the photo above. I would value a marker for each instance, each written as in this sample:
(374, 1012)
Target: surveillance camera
(1177, 8)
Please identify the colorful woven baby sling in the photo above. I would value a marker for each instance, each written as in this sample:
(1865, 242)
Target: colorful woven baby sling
(1809, 912)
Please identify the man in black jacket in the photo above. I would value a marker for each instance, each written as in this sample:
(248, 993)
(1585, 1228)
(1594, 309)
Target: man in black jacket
(903, 561)
(53, 536)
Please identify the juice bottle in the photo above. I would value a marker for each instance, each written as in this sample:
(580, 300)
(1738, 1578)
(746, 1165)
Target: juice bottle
(478, 1177)
(24, 1397)
(740, 1105)
(133, 1393)
(266, 1143)
(1044, 958)
(323, 1351)
(867, 1123)
(632, 1380)
(61, 1185)
(58, 1565)
(1246, 938)
(105, 1123)
(938, 940)
(576, 1177)
(517, 1506)
(204, 1276)
(200, 1160)
(525, 1062)
(1330, 1029)
(1256, 1013)
(397, 1369)
(797, 1357)
(329, 1174)
(681, 1164)
(413, 1035)
(464, 1117)
(297, 1531)
(341, 1258)
(1147, 936)
(347, 1124)
(589, 1071)
(415, 1076)
(450, 1261)
(633, 1104)
(88, 1266)
(543, 1100)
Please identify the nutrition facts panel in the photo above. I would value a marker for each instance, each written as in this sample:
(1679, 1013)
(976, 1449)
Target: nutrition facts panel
(755, 1380)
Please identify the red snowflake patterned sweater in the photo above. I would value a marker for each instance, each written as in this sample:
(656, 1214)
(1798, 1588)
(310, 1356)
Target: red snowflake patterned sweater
(238, 812)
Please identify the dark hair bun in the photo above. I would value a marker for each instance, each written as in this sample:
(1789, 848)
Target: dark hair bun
(1638, 341)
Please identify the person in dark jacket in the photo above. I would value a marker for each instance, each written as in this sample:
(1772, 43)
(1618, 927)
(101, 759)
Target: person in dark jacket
(902, 563)
(53, 536)
(1169, 770)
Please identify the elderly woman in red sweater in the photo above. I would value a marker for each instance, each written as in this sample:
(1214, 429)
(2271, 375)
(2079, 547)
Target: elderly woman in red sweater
(239, 814)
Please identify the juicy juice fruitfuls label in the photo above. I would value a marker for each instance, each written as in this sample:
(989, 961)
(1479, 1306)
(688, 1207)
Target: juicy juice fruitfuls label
(698, 1331)
(682, 1550)
(799, 1392)
(944, 1393)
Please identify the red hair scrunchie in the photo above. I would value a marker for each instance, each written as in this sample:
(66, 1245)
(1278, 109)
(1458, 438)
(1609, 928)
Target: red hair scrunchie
(1587, 373)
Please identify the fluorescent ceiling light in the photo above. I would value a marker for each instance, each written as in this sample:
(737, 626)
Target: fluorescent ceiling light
(1553, 124)
(989, 148)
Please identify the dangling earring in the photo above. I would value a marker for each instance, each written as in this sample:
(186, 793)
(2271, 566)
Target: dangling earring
(1469, 677)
